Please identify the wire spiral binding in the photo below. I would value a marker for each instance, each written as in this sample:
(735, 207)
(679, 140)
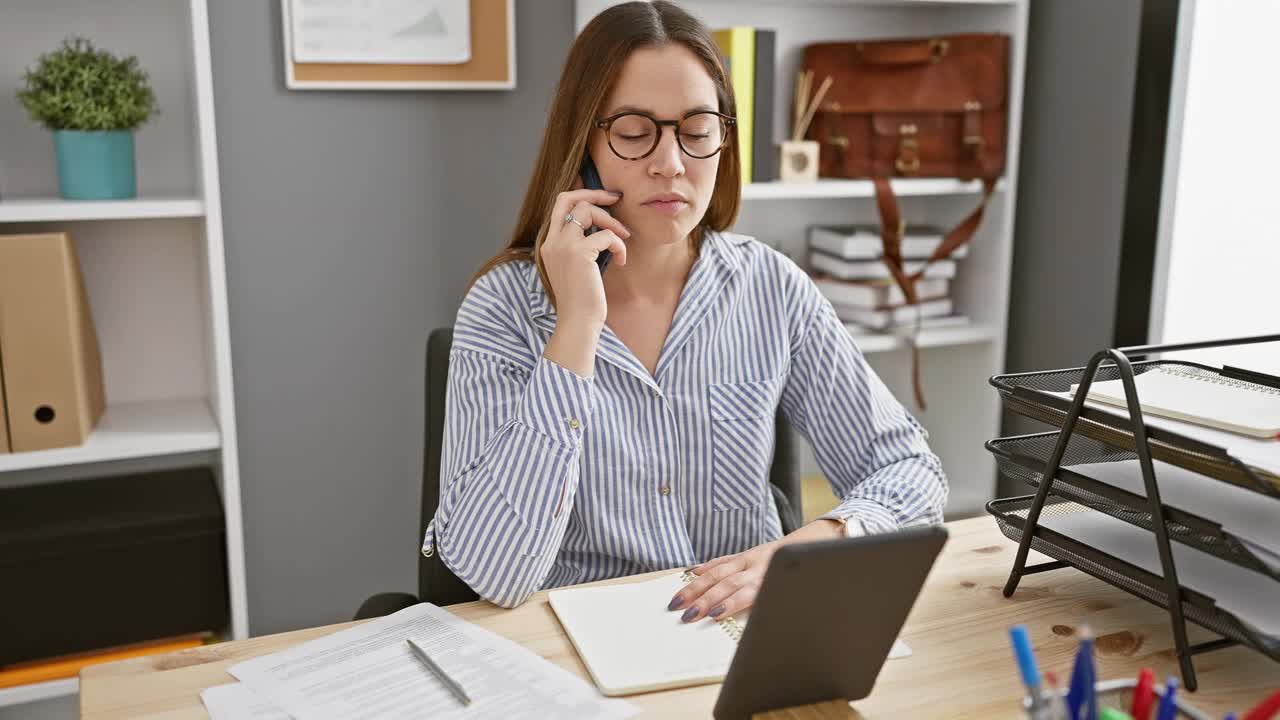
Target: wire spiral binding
(730, 624)
(1197, 374)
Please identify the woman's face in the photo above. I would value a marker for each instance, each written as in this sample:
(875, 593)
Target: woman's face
(666, 193)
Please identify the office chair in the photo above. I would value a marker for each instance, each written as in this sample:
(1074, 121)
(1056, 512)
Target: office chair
(436, 583)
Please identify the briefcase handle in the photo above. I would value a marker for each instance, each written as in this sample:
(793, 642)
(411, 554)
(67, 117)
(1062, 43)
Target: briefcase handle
(905, 52)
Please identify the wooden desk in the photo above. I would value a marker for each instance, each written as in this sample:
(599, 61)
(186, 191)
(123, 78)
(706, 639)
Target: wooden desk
(962, 666)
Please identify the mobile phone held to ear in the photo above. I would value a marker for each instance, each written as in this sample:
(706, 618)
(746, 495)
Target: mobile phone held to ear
(591, 181)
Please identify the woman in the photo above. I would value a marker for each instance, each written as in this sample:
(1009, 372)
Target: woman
(601, 425)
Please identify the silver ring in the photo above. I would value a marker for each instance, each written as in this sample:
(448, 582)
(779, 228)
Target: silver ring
(571, 219)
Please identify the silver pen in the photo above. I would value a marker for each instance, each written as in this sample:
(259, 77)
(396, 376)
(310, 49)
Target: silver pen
(439, 672)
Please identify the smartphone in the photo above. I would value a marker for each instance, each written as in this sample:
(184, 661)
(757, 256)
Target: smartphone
(591, 181)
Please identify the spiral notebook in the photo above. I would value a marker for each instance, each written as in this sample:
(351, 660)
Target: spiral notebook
(631, 643)
(1195, 396)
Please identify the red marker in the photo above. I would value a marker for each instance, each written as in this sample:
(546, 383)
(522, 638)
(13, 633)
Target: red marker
(1143, 697)
(1265, 709)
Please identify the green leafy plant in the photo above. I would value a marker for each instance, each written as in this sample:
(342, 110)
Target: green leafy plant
(79, 87)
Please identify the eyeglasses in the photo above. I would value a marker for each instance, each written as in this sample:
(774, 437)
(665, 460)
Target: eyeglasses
(633, 135)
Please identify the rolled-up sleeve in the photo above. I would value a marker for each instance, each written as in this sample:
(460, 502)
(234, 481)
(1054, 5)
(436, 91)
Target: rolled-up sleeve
(872, 451)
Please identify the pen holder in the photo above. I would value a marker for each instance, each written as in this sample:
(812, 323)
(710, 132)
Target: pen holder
(798, 161)
(1119, 695)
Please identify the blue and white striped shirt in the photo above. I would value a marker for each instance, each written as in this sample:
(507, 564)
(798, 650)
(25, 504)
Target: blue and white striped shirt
(550, 479)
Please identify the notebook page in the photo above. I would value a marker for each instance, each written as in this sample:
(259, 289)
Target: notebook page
(1168, 392)
(630, 642)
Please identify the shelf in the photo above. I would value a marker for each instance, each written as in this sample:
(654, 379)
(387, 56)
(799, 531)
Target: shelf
(872, 342)
(36, 692)
(833, 188)
(166, 427)
(50, 209)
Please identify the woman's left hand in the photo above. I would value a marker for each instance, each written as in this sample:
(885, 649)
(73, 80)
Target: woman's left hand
(725, 585)
(728, 584)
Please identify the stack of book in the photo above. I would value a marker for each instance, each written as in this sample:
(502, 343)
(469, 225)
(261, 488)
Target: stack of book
(848, 267)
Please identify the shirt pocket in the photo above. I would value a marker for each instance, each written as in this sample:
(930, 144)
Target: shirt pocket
(742, 433)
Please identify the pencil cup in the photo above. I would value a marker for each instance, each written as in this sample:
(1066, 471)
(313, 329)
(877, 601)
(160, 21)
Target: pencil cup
(798, 161)
(1118, 694)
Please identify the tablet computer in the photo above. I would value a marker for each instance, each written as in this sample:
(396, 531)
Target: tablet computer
(825, 618)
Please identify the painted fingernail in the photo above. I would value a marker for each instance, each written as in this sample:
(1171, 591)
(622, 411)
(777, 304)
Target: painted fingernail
(616, 193)
(675, 603)
(689, 614)
(717, 612)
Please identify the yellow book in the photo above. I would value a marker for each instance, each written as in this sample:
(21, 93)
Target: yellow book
(738, 48)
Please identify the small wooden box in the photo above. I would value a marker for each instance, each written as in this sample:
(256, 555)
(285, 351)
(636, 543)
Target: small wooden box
(798, 161)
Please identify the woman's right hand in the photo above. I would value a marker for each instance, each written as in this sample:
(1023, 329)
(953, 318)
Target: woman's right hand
(569, 255)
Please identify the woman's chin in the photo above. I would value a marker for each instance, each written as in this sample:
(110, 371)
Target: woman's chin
(663, 233)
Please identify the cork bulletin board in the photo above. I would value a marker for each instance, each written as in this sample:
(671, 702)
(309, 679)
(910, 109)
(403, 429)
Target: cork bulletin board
(492, 63)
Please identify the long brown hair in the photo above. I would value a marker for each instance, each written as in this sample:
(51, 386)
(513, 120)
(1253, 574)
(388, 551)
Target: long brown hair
(592, 68)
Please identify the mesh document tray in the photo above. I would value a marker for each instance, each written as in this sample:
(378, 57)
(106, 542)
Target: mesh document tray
(1024, 458)
(1032, 394)
(1011, 515)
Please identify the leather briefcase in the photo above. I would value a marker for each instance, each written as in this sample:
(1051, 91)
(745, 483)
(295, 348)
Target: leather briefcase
(919, 107)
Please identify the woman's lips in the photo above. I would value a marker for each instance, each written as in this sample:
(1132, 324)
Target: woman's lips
(667, 207)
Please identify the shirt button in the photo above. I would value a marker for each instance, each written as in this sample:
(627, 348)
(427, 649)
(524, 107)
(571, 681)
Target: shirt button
(665, 490)
(574, 424)
(656, 392)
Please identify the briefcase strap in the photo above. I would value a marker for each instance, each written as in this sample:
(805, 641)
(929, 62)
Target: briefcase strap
(892, 228)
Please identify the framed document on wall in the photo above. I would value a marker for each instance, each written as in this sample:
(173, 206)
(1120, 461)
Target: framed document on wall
(399, 44)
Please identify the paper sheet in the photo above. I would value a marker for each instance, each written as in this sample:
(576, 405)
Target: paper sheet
(1252, 597)
(1250, 516)
(368, 672)
(234, 701)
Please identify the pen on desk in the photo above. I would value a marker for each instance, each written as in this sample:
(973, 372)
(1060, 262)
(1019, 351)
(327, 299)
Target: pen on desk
(1168, 709)
(1082, 702)
(1026, 658)
(439, 672)
(1143, 693)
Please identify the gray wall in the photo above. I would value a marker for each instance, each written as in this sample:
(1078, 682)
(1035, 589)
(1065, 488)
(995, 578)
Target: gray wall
(353, 221)
(1081, 57)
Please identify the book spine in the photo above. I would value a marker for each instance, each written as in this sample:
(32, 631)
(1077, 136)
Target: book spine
(764, 161)
(737, 48)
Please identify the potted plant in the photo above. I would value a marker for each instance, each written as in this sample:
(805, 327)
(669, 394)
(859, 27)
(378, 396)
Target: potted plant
(92, 101)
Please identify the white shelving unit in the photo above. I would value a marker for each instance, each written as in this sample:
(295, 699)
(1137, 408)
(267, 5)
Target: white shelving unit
(955, 361)
(153, 266)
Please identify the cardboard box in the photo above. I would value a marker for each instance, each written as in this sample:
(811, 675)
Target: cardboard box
(52, 365)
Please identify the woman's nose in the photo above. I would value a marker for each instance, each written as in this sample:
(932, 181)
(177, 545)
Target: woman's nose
(667, 159)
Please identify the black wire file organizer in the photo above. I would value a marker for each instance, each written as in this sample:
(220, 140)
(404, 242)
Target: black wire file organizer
(1089, 434)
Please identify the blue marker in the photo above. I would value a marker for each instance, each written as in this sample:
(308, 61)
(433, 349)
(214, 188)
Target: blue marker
(1082, 704)
(1168, 709)
(1026, 658)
